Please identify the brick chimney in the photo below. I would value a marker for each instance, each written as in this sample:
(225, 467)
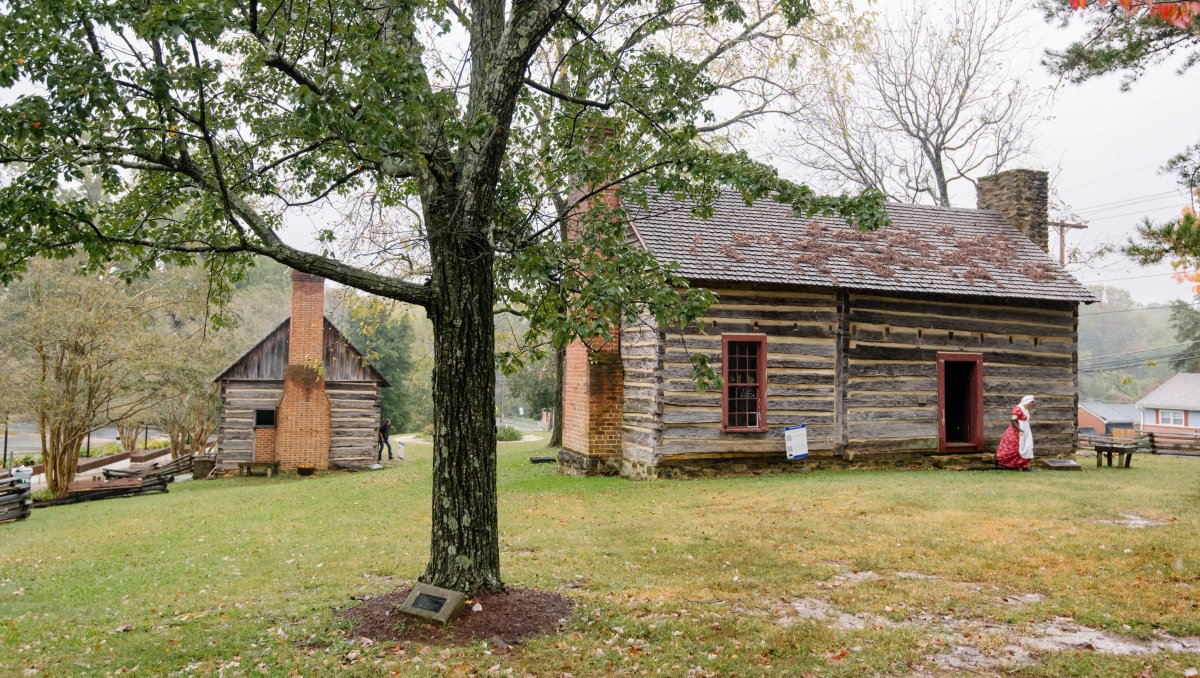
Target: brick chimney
(593, 373)
(302, 419)
(1022, 197)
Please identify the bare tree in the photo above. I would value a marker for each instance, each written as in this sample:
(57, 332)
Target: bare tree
(931, 102)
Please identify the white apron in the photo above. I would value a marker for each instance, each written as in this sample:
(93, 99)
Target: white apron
(1026, 447)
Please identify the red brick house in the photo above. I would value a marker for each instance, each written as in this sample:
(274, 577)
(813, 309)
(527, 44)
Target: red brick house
(303, 396)
(1173, 406)
(903, 347)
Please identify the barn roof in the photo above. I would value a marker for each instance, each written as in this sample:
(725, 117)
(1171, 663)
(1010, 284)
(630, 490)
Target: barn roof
(1111, 413)
(932, 250)
(267, 360)
(1180, 392)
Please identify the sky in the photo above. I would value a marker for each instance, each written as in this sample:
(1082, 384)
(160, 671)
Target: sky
(1104, 148)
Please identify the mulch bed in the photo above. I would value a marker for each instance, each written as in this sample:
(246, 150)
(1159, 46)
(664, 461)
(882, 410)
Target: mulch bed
(505, 620)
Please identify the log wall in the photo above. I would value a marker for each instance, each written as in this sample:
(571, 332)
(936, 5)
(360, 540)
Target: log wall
(859, 369)
(891, 369)
(642, 354)
(354, 419)
(800, 328)
(239, 400)
(353, 422)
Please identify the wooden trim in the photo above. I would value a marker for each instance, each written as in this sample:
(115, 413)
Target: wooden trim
(841, 351)
(761, 340)
(975, 407)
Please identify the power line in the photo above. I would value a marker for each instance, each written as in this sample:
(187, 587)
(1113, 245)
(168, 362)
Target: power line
(1140, 362)
(1131, 310)
(1138, 277)
(1144, 350)
(1127, 214)
(1111, 176)
(1126, 202)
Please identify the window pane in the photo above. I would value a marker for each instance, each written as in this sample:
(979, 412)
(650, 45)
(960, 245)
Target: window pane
(742, 391)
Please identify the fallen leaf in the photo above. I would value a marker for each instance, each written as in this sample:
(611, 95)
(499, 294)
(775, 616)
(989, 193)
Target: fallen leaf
(123, 628)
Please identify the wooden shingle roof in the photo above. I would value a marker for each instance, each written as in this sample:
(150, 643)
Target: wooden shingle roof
(267, 360)
(931, 250)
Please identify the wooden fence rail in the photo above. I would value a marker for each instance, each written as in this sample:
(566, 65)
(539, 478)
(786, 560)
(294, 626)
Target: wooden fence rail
(1155, 442)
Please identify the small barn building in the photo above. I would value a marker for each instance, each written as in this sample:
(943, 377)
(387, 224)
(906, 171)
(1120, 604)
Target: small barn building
(1108, 419)
(906, 347)
(1173, 406)
(303, 396)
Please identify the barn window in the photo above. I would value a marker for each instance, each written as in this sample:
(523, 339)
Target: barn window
(960, 402)
(744, 377)
(264, 417)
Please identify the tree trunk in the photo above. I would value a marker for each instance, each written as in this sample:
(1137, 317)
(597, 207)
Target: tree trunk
(465, 546)
(129, 432)
(61, 460)
(560, 362)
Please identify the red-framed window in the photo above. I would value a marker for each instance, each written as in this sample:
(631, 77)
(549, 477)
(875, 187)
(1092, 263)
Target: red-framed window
(960, 402)
(744, 383)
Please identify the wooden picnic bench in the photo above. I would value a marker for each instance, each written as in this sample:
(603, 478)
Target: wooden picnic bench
(1124, 448)
(248, 468)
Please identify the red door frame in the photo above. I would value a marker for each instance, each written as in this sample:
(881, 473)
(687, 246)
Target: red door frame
(761, 340)
(975, 407)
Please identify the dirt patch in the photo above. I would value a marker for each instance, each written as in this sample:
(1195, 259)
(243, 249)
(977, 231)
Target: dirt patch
(503, 619)
(915, 575)
(1134, 522)
(1023, 599)
(817, 609)
(1061, 634)
(974, 645)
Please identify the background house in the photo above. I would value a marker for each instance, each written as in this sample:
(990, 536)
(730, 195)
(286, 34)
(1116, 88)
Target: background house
(1172, 407)
(905, 346)
(303, 396)
(1108, 419)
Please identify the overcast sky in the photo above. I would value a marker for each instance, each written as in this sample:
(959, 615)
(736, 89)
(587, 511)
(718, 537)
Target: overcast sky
(1104, 148)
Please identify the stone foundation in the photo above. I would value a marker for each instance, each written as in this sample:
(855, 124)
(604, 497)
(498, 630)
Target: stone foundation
(575, 464)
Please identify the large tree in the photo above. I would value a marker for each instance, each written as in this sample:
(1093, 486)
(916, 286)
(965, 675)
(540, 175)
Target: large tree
(212, 123)
(932, 102)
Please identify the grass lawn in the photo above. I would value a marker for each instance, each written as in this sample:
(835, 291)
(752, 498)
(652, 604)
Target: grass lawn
(740, 576)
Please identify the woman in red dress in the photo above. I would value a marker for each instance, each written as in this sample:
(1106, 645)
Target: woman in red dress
(1016, 445)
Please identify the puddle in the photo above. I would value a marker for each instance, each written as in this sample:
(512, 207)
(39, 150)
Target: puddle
(1133, 521)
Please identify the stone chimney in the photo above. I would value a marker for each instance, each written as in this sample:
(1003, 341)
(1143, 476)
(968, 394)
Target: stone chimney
(1022, 197)
(302, 419)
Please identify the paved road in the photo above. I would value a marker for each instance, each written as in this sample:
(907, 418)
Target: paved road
(23, 438)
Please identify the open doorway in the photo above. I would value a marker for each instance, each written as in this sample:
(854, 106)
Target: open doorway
(960, 402)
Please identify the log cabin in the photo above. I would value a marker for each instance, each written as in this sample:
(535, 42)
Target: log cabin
(904, 347)
(281, 403)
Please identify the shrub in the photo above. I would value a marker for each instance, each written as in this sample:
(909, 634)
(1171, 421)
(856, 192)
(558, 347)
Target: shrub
(507, 434)
(27, 460)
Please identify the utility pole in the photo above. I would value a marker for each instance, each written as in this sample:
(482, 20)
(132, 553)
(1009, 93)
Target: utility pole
(1061, 227)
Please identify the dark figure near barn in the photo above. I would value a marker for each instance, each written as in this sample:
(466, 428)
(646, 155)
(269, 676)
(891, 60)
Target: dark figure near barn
(384, 431)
